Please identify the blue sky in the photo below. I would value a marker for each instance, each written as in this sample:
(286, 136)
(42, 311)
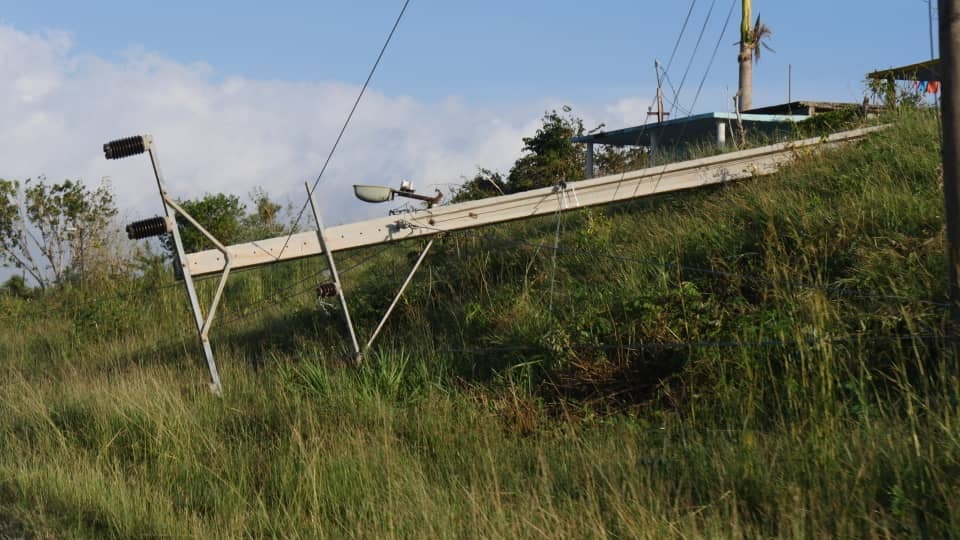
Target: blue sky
(250, 93)
(495, 53)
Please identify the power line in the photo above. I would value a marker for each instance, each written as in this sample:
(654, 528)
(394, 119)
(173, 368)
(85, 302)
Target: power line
(675, 101)
(346, 123)
(665, 71)
(273, 301)
(273, 298)
(683, 128)
(683, 29)
(696, 48)
(713, 57)
(673, 104)
(706, 72)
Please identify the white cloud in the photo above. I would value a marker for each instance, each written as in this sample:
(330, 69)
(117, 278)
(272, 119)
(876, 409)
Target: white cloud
(231, 134)
(227, 134)
(626, 112)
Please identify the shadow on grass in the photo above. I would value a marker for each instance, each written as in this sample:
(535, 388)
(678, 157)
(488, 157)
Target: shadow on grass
(616, 380)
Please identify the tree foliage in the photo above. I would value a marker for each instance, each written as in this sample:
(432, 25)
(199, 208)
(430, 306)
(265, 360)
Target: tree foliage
(614, 159)
(894, 94)
(755, 38)
(551, 156)
(220, 214)
(226, 218)
(485, 183)
(266, 219)
(54, 232)
(17, 287)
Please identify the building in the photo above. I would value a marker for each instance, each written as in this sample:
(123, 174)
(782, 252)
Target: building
(776, 122)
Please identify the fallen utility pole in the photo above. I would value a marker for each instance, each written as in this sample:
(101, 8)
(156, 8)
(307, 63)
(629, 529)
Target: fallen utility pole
(430, 221)
(468, 215)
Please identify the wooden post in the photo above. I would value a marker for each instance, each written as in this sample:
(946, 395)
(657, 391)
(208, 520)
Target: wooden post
(950, 67)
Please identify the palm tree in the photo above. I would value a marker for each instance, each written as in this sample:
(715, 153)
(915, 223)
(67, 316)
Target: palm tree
(752, 40)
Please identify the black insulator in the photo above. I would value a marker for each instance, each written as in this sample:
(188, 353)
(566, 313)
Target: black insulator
(122, 148)
(326, 290)
(146, 228)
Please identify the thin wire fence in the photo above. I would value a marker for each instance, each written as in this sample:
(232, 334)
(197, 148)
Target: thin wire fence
(655, 346)
(284, 294)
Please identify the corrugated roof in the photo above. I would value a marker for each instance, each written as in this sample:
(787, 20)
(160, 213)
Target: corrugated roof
(687, 129)
(921, 71)
(803, 107)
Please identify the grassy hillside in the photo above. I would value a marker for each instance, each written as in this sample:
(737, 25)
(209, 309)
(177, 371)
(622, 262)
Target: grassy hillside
(764, 358)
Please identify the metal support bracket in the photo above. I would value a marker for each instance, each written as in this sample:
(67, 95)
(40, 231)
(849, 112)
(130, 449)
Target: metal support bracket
(203, 323)
(321, 237)
(144, 143)
(396, 298)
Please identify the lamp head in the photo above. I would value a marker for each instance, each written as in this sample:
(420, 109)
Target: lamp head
(373, 194)
(378, 194)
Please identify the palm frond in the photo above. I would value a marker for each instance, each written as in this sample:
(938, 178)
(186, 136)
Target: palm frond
(758, 36)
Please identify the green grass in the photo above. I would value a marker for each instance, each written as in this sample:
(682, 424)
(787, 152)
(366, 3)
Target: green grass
(820, 399)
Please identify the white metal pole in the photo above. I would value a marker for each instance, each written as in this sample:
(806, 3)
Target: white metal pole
(321, 236)
(170, 212)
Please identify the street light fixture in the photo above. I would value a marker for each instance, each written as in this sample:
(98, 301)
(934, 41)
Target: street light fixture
(378, 194)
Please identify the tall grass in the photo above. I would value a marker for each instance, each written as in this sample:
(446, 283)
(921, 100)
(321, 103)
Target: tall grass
(762, 359)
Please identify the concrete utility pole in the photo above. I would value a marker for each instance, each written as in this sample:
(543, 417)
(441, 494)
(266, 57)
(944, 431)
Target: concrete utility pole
(604, 190)
(950, 67)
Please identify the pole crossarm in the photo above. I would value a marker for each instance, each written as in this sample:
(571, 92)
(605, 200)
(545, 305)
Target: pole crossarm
(528, 204)
(139, 144)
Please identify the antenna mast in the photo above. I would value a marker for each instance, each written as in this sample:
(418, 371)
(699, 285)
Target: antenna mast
(659, 112)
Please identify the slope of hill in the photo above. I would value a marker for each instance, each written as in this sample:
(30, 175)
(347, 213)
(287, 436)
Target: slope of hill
(766, 358)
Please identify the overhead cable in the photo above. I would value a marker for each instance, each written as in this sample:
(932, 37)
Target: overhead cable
(346, 123)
